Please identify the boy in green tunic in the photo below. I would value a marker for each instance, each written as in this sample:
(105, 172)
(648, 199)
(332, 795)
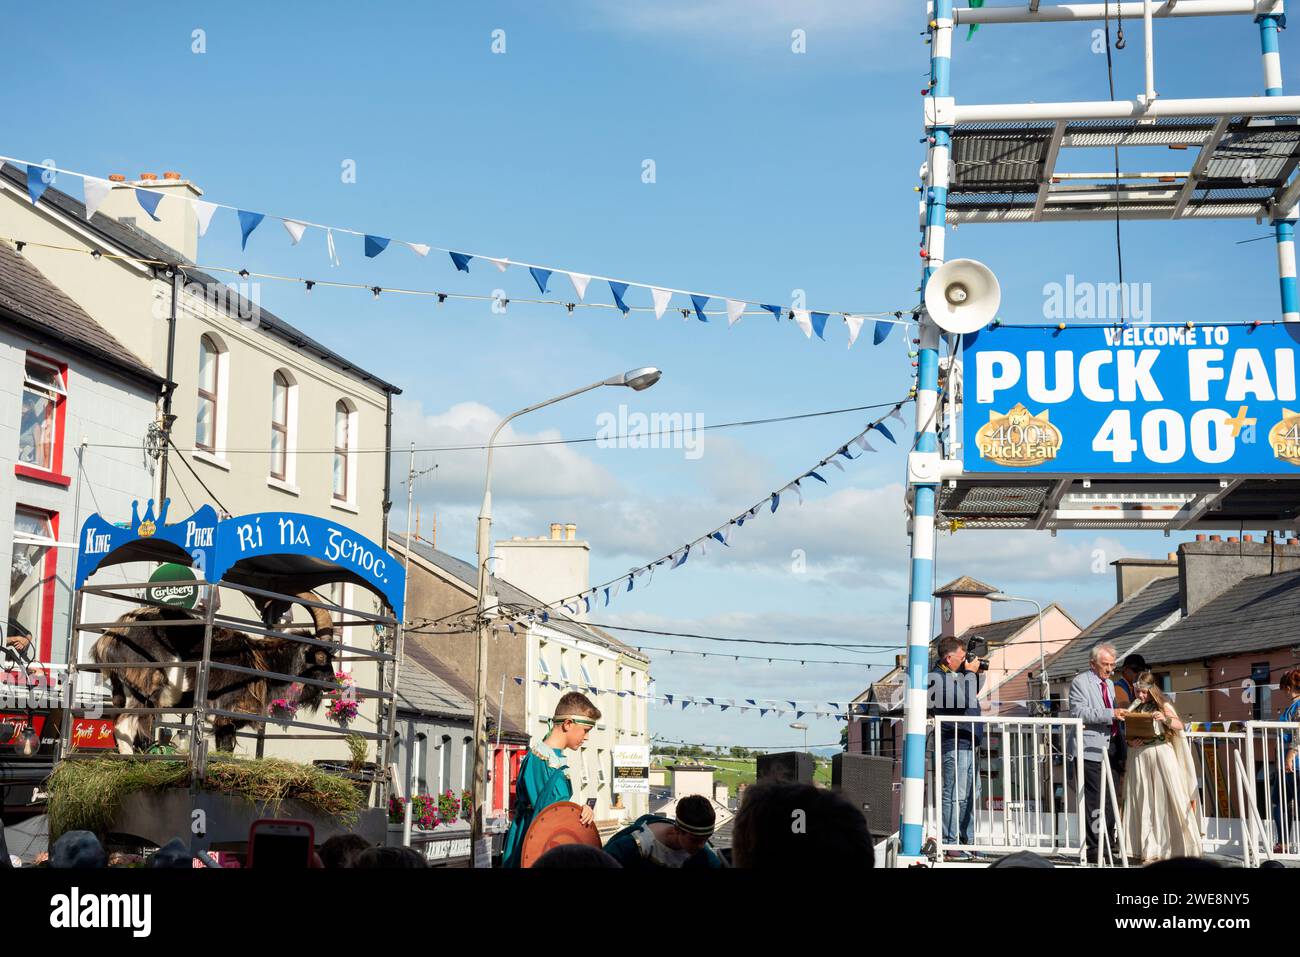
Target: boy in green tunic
(653, 841)
(544, 774)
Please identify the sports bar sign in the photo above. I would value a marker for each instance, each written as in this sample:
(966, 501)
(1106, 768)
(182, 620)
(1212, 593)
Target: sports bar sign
(1135, 400)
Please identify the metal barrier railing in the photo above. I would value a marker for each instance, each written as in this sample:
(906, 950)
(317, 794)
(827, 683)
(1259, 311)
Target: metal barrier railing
(1020, 790)
(1215, 755)
(1272, 780)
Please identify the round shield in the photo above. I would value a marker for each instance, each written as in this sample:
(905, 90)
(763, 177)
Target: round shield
(557, 824)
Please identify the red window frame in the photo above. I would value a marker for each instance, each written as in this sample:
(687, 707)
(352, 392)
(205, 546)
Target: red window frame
(49, 581)
(54, 474)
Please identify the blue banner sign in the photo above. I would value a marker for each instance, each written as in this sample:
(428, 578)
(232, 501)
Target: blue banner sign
(1135, 400)
(212, 547)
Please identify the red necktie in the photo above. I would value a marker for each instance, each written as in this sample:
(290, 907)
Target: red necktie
(1105, 699)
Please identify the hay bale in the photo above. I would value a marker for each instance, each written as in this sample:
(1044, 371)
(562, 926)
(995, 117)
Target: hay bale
(87, 794)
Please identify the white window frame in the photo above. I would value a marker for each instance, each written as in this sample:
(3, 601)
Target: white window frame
(289, 483)
(543, 664)
(349, 500)
(217, 454)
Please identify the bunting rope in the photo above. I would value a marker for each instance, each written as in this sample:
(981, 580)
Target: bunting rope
(376, 291)
(722, 533)
(96, 189)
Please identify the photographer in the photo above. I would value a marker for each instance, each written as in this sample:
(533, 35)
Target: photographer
(954, 690)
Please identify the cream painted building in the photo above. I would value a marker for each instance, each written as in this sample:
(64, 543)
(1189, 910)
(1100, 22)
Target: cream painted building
(266, 418)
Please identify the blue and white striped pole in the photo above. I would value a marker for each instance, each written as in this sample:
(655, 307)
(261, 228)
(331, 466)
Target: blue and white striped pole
(1285, 220)
(919, 612)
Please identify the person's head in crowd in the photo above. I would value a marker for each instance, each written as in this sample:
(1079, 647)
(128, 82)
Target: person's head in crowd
(1184, 863)
(342, 850)
(1133, 667)
(573, 720)
(79, 849)
(801, 829)
(172, 854)
(952, 653)
(1271, 865)
(1101, 659)
(1023, 859)
(695, 823)
(1290, 682)
(390, 858)
(576, 855)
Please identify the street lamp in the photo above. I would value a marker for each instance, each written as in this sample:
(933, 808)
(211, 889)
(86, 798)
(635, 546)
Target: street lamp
(1045, 694)
(635, 379)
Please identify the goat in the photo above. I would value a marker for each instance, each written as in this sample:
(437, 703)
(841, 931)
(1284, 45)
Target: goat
(177, 636)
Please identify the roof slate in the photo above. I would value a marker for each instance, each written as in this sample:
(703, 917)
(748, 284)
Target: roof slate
(1123, 625)
(1257, 614)
(32, 301)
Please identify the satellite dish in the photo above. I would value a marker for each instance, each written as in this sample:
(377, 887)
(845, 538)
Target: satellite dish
(962, 296)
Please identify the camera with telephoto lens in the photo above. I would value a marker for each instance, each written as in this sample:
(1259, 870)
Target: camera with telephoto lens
(978, 647)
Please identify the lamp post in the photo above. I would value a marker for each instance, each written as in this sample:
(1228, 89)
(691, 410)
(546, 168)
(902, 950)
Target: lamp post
(637, 380)
(1046, 692)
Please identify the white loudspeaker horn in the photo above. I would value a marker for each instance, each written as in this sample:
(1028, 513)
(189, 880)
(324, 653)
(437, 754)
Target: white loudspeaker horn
(962, 296)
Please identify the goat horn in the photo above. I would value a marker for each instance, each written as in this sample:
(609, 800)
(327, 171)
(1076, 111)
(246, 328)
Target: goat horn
(324, 623)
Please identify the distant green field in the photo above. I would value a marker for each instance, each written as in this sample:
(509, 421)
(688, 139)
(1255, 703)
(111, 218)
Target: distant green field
(733, 772)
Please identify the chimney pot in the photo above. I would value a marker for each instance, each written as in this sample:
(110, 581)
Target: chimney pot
(116, 178)
(171, 174)
(570, 532)
(1248, 538)
(1232, 539)
(1200, 538)
(555, 531)
(148, 176)
(1293, 541)
(1172, 556)
(1215, 538)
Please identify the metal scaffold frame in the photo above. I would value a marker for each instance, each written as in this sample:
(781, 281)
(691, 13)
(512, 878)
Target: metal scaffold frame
(998, 163)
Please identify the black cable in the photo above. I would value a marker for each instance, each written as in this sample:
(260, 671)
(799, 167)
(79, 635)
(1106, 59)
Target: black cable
(211, 494)
(539, 442)
(1110, 77)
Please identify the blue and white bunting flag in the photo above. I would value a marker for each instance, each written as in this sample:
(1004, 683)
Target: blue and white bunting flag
(149, 201)
(661, 299)
(295, 230)
(734, 311)
(248, 221)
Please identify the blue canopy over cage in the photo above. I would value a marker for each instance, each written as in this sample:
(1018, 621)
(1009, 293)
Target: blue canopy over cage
(285, 552)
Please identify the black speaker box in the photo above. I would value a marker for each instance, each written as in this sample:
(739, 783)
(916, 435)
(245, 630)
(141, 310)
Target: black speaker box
(867, 782)
(793, 766)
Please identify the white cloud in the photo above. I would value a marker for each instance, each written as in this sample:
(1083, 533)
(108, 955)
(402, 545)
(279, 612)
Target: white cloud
(544, 472)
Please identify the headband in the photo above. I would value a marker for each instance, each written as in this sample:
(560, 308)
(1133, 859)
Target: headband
(575, 718)
(699, 830)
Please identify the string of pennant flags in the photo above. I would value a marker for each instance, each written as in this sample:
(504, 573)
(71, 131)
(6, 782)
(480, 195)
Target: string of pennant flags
(764, 706)
(699, 547)
(95, 190)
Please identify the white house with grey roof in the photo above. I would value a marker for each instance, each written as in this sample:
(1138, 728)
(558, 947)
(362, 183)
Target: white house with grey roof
(64, 380)
(261, 416)
(531, 664)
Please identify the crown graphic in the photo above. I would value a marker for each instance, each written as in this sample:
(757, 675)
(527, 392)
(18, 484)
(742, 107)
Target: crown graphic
(146, 526)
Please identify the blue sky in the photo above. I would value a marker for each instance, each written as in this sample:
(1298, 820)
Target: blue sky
(774, 172)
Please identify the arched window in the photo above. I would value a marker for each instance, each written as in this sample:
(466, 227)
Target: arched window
(344, 444)
(209, 407)
(280, 388)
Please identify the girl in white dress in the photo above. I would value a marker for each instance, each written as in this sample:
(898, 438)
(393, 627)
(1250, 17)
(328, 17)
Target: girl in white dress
(1162, 816)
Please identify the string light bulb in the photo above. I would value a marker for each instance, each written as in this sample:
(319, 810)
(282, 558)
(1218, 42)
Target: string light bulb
(244, 274)
(375, 290)
(308, 283)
